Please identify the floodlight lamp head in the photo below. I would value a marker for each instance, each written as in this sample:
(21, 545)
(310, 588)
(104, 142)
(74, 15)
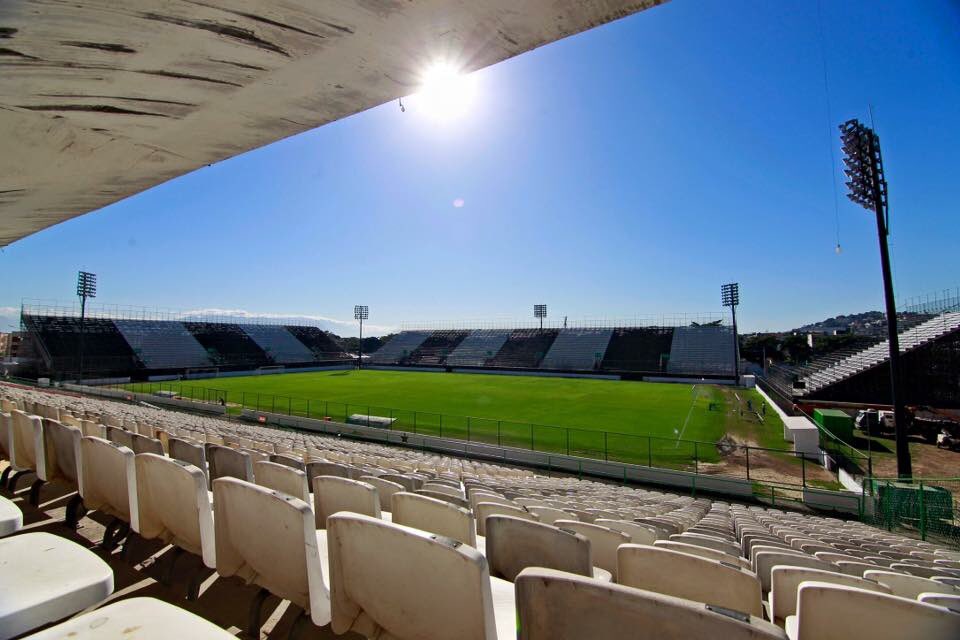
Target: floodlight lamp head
(730, 294)
(86, 284)
(361, 312)
(539, 311)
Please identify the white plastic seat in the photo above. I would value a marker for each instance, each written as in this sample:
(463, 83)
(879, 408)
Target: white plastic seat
(334, 469)
(332, 494)
(120, 436)
(152, 619)
(174, 505)
(63, 461)
(512, 544)
(946, 600)
(549, 515)
(144, 444)
(225, 462)
(446, 497)
(283, 478)
(604, 542)
(703, 552)
(482, 510)
(553, 605)
(691, 577)
(442, 487)
(189, 452)
(907, 586)
(639, 533)
(269, 538)
(709, 542)
(435, 516)
(45, 578)
(786, 580)
(391, 581)
(109, 480)
(26, 443)
(765, 561)
(836, 612)
(11, 517)
(385, 490)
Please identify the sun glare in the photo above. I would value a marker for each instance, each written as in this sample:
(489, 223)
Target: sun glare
(445, 91)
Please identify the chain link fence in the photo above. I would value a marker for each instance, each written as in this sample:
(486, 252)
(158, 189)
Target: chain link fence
(925, 508)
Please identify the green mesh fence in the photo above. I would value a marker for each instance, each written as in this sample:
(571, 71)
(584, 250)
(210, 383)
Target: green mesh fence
(925, 508)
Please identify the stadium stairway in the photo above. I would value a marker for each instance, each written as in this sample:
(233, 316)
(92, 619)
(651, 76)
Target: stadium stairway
(278, 343)
(163, 344)
(478, 347)
(399, 346)
(879, 353)
(699, 350)
(577, 349)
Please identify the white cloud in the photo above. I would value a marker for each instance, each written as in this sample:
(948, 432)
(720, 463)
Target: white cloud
(459, 202)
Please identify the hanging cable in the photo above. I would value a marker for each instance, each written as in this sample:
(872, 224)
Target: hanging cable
(826, 93)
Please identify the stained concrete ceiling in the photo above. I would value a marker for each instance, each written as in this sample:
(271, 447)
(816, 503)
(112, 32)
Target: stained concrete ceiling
(102, 99)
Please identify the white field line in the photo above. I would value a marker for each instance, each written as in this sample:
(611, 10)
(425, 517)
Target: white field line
(693, 403)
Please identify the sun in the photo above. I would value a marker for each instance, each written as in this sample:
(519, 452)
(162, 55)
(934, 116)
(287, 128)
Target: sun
(446, 92)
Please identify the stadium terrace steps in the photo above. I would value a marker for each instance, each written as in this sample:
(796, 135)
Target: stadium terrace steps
(639, 349)
(399, 347)
(478, 347)
(879, 353)
(58, 339)
(228, 344)
(435, 349)
(323, 345)
(701, 350)
(278, 343)
(577, 349)
(524, 349)
(163, 344)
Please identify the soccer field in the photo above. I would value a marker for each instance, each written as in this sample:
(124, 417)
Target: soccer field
(642, 420)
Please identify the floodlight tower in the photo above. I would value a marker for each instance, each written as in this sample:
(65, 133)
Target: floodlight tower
(730, 293)
(361, 312)
(540, 311)
(86, 288)
(868, 188)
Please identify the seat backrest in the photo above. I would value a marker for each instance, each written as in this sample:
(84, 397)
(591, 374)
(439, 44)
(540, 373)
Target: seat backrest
(514, 544)
(93, 429)
(786, 580)
(6, 428)
(373, 566)
(61, 445)
(853, 568)
(385, 490)
(446, 497)
(109, 479)
(408, 483)
(603, 542)
(709, 542)
(281, 477)
(476, 497)
(837, 612)
(549, 515)
(482, 510)
(554, 605)
(226, 462)
(767, 560)
(948, 601)
(703, 552)
(174, 505)
(639, 533)
(442, 487)
(268, 538)
(193, 453)
(120, 436)
(691, 577)
(290, 461)
(436, 516)
(144, 444)
(907, 586)
(27, 441)
(334, 469)
(332, 494)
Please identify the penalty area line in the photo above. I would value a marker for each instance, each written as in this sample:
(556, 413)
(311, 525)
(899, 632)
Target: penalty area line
(693, 403)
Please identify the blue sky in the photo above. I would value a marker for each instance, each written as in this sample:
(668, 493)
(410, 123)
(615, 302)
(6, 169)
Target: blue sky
(629, 170)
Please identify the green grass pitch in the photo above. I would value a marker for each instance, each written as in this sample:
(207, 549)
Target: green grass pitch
(548, 414)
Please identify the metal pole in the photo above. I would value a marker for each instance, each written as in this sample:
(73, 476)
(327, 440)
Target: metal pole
(83, 313)
(923, 515)
(360, 359)
(736, 348)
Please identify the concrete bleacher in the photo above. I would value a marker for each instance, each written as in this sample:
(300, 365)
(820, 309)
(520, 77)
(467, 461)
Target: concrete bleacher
(278, 343)
(524, 348)
(701, 350)
(343, 558)
(399, 346)
(163, 344)
(577, 349)
(478, 347)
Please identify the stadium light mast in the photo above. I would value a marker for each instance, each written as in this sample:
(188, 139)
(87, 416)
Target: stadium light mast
(868, 188)
(86, 288)
(540, 311)
(361, 312)
(730, 294)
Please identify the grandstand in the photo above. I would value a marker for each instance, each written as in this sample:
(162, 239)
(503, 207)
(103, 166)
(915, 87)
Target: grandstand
(701, 350)
(163, 345)
(331, 532)
(478, 347)
(577, 349)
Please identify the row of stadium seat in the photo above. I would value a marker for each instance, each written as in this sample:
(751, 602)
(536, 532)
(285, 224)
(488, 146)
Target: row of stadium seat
(585, 558)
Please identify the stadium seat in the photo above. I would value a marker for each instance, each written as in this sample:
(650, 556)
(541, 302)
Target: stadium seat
(442, 487)
(512, 544)
(408, 483)
(948, 601)
(190, 452)
(152, 619)
(27, 450)
(476, 497)
(109, 478)
(334, 469)
(604, 542)
(436, 516)
(907, 586)
(144, 444)
(174, 506)
(915, 569)
(549, 515)
(269, 538)
(385, 490)
(280, 477)
(639, 533)
(446, 497)
(332, 494)
(225, 462)
(482, 510)
(11, 518)
(554, 605)
(855, 568)
(837, 612)
(288, 460)
(691, 577)
(373, 565)
(785, 580)
(46, 578)
(63, 463)
(93, 429)
(120, 436)
(765, 561)
(709, 542)
(702, 552)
